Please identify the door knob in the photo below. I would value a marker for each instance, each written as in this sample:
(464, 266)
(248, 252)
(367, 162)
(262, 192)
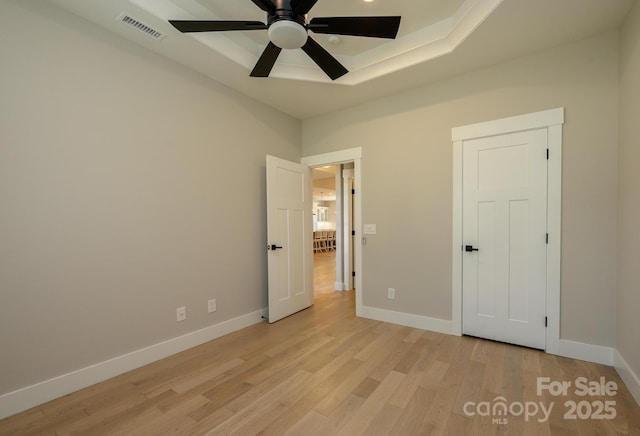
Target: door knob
(470, 248)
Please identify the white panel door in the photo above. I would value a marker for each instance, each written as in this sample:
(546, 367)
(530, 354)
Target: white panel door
(504, 236)
(289, 233)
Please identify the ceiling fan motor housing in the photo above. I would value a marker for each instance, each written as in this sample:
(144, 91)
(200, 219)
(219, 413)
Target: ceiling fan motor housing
(286, 28)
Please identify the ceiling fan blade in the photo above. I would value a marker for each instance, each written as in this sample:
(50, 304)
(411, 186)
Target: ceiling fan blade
(320, 56)
(265, 5)
(266, 61)
(302, 7)
(187, 26)
(375, 27)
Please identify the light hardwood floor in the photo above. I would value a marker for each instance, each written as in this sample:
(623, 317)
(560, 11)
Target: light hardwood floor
(324, 272)
(322, 372)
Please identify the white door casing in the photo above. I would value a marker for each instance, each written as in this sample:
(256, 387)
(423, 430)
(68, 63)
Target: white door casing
(505, 214)
(551, 120)
(340, 157)
(289, 237)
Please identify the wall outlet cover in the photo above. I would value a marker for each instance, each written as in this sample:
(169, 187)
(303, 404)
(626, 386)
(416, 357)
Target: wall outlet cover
(391, 294)
(181, 313)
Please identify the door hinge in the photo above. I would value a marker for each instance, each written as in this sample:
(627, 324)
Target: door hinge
(547, 154)
(547, 238)
(545, 321)
(353, 273)
(353, 192)
(353, 232)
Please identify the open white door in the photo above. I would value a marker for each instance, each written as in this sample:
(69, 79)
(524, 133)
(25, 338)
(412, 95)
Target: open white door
(290, 237)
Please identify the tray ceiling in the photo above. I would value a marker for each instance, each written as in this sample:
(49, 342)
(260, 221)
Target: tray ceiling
(437, 39)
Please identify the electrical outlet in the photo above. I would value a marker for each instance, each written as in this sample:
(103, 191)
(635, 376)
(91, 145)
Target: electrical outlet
(391, 294)
(211, 305)
(181, 313)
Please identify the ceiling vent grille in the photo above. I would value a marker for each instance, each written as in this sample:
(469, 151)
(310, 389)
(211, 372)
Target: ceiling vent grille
(142, 27)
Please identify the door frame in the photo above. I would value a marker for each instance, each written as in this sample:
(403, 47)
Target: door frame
(347, 226)
(552, 120)
(340, 157)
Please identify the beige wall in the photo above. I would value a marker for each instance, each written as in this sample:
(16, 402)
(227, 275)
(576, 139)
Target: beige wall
(129, 186)
(407, 177)
(628, 297)
(120, 194)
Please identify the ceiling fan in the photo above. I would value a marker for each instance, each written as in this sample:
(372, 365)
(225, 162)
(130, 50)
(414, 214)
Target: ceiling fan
(287, 26)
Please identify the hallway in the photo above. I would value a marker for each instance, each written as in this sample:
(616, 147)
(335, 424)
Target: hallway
(324, 272)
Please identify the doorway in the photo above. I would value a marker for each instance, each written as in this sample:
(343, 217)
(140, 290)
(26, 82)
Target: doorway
(333, 228)
(354, 156)
(325, 227)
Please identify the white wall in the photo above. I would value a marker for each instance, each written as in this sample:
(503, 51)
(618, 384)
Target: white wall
(129, 186)
(628, 296)
(407, 177)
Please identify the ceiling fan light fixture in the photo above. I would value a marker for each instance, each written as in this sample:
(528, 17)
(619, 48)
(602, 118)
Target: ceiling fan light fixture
(287, 27)
(287, 34)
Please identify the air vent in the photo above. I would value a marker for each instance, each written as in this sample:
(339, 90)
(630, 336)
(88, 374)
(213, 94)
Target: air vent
(135, 23)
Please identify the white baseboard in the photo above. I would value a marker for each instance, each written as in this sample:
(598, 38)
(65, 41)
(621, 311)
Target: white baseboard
(339, 286)
(565, 348)
(582, 351)
(408, 319)
(30, 396)
(630, 378)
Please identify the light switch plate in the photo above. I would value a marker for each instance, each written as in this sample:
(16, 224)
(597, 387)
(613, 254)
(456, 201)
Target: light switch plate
(369, 229)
